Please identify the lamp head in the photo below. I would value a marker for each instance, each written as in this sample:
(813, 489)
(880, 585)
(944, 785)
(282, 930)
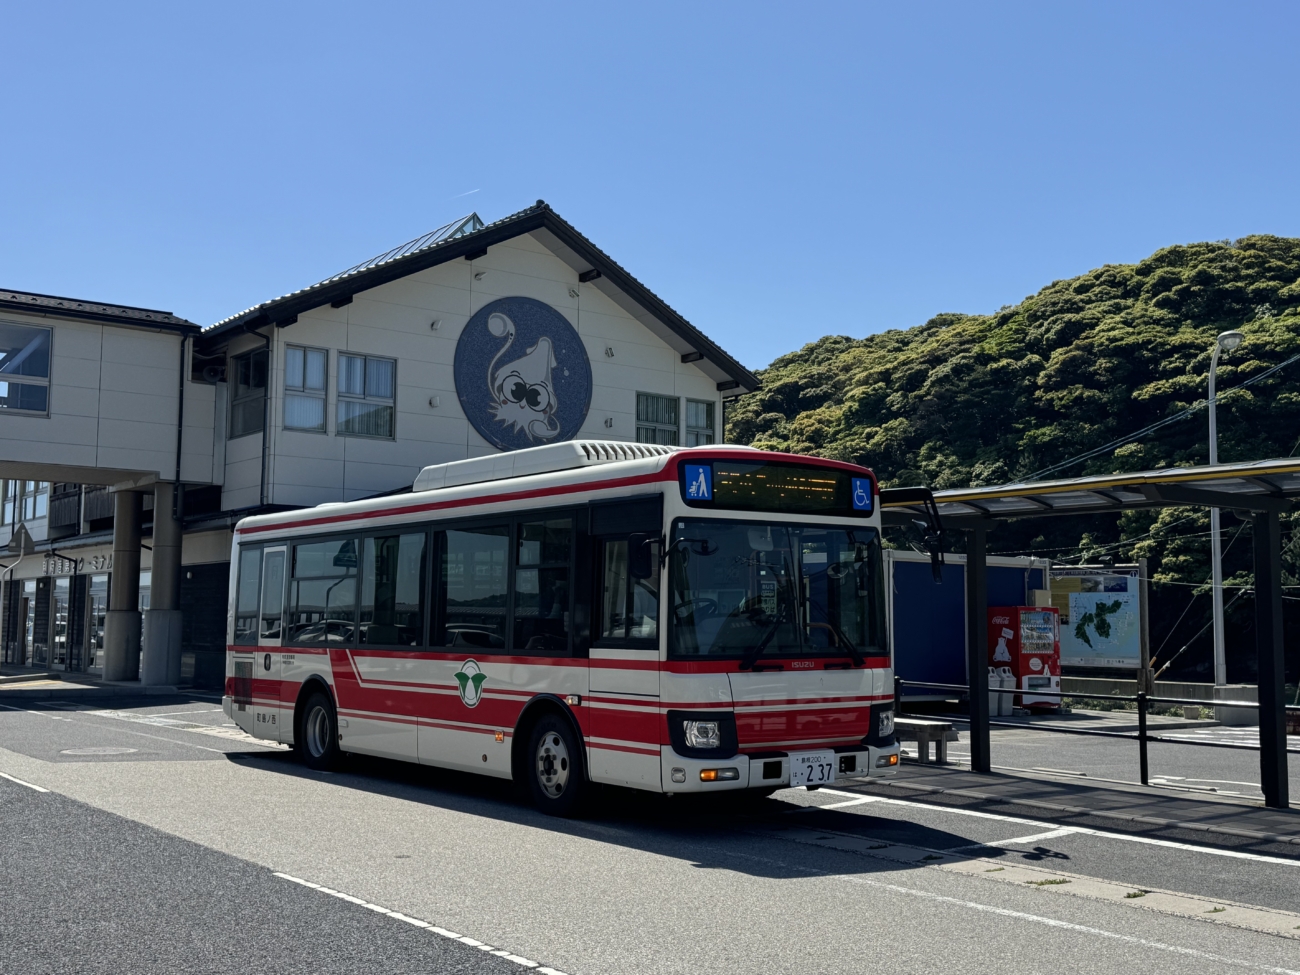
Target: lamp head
(1230, 340)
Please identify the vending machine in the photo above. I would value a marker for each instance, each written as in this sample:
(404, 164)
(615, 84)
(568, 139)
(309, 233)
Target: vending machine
(1027, 641)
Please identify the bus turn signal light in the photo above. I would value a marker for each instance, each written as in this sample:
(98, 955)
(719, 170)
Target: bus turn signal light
(719, 774)
(885, 761)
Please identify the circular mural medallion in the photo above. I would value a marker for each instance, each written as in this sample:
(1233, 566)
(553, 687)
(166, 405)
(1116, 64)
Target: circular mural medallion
(522, 374)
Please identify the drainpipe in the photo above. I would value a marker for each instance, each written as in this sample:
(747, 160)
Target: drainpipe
(266, 415)
(180, 428)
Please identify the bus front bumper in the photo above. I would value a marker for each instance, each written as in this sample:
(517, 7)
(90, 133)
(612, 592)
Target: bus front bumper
(768, 770)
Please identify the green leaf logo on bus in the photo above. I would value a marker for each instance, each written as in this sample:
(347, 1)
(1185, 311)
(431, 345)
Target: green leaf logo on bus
(471, 678)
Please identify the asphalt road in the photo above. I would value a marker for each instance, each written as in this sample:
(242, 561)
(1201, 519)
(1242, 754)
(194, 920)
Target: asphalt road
(174, 857)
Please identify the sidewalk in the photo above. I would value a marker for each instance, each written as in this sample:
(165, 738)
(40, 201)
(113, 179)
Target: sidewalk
(18, 688)
(1089, 804)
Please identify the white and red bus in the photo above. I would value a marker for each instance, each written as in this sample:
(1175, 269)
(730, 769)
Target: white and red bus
(679, 620)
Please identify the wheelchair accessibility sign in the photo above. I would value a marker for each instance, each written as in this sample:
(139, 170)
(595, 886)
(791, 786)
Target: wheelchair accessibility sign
(862, 494)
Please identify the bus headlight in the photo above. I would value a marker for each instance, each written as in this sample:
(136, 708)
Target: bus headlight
(702, 734)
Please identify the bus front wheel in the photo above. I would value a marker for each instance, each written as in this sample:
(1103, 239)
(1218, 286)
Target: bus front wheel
(556, 779)
(317, 740)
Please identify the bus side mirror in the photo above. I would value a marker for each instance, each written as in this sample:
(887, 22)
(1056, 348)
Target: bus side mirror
(640, 564)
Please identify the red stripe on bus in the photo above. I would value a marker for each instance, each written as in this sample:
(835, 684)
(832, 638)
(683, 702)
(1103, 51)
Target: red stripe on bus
(414, 509)
(624, 748)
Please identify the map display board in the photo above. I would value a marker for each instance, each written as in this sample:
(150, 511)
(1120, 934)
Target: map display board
(1101, 616)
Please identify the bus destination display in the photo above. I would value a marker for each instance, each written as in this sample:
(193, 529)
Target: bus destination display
(791, 488)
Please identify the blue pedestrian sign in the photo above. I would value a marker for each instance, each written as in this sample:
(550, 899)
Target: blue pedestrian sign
(699, 482)
(862, 494)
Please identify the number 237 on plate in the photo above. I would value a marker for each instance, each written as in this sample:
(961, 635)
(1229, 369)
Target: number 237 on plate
(812, 768)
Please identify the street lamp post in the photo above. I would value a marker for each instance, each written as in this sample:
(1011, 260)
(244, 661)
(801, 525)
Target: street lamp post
(1226, 342)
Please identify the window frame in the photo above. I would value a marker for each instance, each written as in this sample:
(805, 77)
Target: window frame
(365, 396)
(657, 425)
(45, 381)
(236, 400)
(304, 391)
(713, 424)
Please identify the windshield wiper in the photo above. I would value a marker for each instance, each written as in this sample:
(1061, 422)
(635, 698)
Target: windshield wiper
(749, 659)
(854, 653)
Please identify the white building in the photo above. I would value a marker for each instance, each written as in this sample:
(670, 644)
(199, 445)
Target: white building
(469, 340)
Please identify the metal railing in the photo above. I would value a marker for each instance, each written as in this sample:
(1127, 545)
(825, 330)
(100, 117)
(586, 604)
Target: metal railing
(1141, 699)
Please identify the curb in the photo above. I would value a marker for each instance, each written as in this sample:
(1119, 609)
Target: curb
(1293, 840)
(81, 692)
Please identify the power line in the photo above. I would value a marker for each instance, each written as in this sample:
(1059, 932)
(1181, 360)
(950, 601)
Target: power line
(1190, 411)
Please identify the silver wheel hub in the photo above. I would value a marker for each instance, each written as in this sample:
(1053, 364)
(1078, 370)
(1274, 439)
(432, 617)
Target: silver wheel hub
(316, 729)
(553, 764)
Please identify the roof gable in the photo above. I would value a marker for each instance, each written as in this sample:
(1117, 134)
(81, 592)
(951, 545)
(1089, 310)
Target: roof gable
(469, 238)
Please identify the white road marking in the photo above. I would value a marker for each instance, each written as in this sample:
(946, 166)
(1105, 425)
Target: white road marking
(168, 714)
(443, 932)
(1023, 916)
(1081, 830)
(6, 775)
(1049, 835)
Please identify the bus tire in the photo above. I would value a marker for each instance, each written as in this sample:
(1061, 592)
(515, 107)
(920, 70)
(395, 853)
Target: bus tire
(557, 780)
(317, 738)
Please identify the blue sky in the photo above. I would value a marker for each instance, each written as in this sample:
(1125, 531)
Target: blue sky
(774, 172)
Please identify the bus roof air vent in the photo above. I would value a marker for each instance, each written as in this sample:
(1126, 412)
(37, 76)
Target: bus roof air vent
(535, 460)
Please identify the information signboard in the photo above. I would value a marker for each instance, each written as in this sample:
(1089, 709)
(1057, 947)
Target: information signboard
(1101, 616)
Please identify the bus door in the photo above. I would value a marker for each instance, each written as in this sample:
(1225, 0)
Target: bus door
(623, 704)
(268, 715)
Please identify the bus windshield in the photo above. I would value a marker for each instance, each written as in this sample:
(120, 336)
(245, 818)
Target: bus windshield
(749, 589)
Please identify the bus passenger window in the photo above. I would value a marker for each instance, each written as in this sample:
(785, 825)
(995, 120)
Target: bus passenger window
(542, 585)
(472, 588)
(392, 591)
(629, 607)
(272, 594)
(246, 599)
(323, 595)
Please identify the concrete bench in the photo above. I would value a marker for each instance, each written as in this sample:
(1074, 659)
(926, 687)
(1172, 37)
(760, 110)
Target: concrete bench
(923, 731)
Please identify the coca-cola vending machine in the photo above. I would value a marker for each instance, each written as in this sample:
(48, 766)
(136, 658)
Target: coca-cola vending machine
(1027, 640)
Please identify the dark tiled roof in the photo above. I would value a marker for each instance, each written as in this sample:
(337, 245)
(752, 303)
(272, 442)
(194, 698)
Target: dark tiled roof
(94, 311)
(466, 237)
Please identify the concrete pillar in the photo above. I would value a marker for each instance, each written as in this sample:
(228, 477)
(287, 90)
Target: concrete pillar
(122, 627)
(160, 661)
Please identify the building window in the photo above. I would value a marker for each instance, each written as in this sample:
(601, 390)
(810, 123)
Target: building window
(699, 423)
(656, 419)
(24, 368)
(248, 401)
(367, 391)
(304, 388)
(36, 499)
(11, 501)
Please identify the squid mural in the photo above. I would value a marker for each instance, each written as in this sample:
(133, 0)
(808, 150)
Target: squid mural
(523, 374)
(523, 395)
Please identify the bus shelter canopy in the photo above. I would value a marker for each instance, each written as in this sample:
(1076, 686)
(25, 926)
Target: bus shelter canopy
(1264, 485)
(1260, 490)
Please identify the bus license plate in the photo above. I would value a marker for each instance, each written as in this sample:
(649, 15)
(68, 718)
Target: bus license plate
(812, 768)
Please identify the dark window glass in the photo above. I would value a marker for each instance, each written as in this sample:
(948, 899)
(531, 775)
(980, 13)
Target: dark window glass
(542, 585)
(324, 592)
(392, 591)
(250, 581)
(272, 595)
(472, 587)
(248, 396)
(629, 607)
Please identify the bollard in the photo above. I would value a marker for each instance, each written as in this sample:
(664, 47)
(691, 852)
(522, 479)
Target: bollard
(1142, 735)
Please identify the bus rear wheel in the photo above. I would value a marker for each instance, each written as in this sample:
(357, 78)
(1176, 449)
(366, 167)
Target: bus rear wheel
(557, 780)
(317, 740)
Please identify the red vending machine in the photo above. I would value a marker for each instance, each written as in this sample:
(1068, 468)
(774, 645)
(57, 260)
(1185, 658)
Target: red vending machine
(1026, 640)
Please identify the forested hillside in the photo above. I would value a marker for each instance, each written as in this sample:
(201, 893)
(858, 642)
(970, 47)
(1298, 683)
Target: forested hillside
(986, 399)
